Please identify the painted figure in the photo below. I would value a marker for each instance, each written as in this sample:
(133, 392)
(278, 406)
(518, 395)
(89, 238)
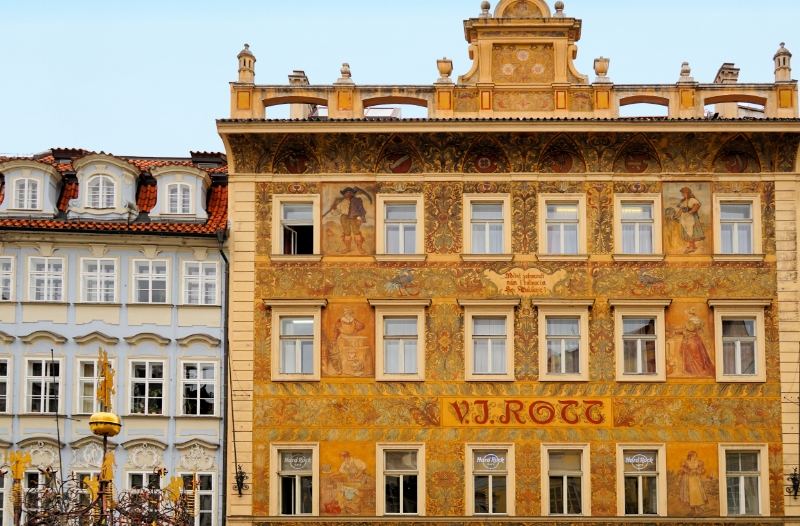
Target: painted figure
(348, 484)
(696, 361)
(351, 468)
(687, 215)
(692, 493)
(348, 353)
(353, 214)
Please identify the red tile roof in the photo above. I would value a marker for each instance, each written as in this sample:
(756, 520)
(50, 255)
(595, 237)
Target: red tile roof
(146, 199)
(2, 189)
(69, 193)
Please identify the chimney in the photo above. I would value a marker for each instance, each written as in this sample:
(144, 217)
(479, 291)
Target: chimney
(300, 111)
(247, 64)
(727, 74)
(783, 64)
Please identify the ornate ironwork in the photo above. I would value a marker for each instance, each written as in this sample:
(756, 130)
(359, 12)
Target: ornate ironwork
(240, 477)
(794, 480)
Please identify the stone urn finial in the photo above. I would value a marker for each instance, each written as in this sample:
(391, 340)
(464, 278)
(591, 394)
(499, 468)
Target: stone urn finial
(601, 69)
(559, 9)
(686, 73)
(346, 75)
(445, 70)
(485, 6)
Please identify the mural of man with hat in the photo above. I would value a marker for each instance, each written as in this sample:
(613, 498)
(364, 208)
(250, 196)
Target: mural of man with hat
(353, 214)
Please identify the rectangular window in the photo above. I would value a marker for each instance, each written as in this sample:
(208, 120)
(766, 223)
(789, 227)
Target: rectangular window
(143, 480)
(150, 278)
(99, 280)
(297, 224)
(565, 482)
(637, 228)
(739, 347)
(147, 387)
(563, 345)
(204, 497)
(87, 386)
(43, 386)
(83, 477)
(6, 279)
(296, 482)
(26, 194)
(199, 283)
(5, 383)
(199, 388)
(490, 473)
(736, 228)
(46, 277)
(743, 482)
(487, 228)
(563, 227)
(297, 345)
(401, 481)
(640, 482)
(489, 340)
(400, 223)
(639, 345)
(400, 340)
(179, 199)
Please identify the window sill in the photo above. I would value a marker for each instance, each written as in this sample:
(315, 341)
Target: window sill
(141, 415)
(151, 305)
(309, 379)
(389, 378)
(400, 257)
(200, 417)
(638, 257)
(489, 378)
(742, 380)
(487, 257)
(642, 379)
(564, 378)
(99, 304)
(563, 257)
(194, 306)
(307, 257)
(739, 257)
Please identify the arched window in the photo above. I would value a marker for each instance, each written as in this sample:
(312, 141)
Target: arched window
(26, 194)
(101, 192)
(179, 198)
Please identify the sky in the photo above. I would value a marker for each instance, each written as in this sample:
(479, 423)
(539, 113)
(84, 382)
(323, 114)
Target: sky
(150, 77)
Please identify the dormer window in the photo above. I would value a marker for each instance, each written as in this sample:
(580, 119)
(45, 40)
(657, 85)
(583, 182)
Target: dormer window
(26, 194)
(101, 192)
(179, 197)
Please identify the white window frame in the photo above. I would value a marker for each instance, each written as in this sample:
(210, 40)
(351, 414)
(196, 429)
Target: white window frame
(641, 309)
(291, 309)
(468, 201)
(580, 200)
(10, 276)
(658, 236)
(99, 276)
(31, 274)
(399, 309)
(381, 449)
(6, 483)
(488, 309)
(102, 197)
(758, 247)
(511, 487)
(46, 380)
(79, 380)
(145, 476)
(275, 449)
(382, 200)
(278, 200)
(740, 309)
(132, 380)
(201, 280)
(8, 380)
(27, 204)
(764, 481)
(586, 478)
(661, 476)
(214, 493)
(150, 276)
(182, 381)
(179, 210)
(564, 309)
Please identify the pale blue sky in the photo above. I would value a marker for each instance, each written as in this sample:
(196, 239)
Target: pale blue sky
(150, 77)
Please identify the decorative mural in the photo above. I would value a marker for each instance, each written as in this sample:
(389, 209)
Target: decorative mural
(687, 218)
(692, 480)
(347, 479)
(348, 218)
(690, 341)
(348, 337)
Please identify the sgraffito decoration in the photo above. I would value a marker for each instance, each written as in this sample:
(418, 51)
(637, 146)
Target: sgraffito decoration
(505, 101)
(637, 156)
(601, 343)
(600, 210)
(603, 458)
(445, 479)
(398, 157)
(526, 343)
(737, 156)
(443, 207)
(523, 63)
(444, 346)
(522, 9)
(562, 156)
(486, 156)
(527, 460)
(296, 156)
(581, 101)
(776, 480)
(466, 101)
(523, 218)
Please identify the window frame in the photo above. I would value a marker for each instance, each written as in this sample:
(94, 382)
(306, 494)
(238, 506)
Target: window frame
(586, 477)
(134, 296)
(27, 379)
(468, 200)
(275, 449)
(26, 194)
(101, 197)
(278, 200)
(79, 379)
(661, 476)
(643, 309)
(11, 275)
(737, 309)
(197, 493)
(185, 279)
(469, 480)
(764, 480)
(381, 201)
(145, 474)
(758, 245)
(131, 380)
(29, 274)
(9, 380)
(296, 308)
(544, 200)
(490, 309)
(399, 309)
(182, 381)
(658, 234)
(380, 497)
(83, 291)
(167, 198)
(567, 309)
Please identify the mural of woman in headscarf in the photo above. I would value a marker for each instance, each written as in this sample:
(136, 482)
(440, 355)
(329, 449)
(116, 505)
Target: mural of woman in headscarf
(696, 361)
(687, 215)
(692, 493)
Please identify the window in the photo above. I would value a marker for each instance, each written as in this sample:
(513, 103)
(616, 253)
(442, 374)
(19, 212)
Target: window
(46, 276)
(179, 198)
(99, 280)
(150, 278)
(737, 226)
(489, 339)
(638, 231)
(490, 479)
(297, 345)
(295, 225)
(147, 387)
(200, 283)
(399, 230)
(26, 194)
(566, 483)
(400, 339)
(87, 386)
(143, 480)
(43, 386)
(101, 192)
(400, 345)
(563, 354)
(486, 227)
(641, 479)
(740, 339)
(562, 225)
(743, 482)
(640, 340)
(400, 482)
(199, 388)
(81, 478)
(5, 383)
(296, 482)
(203, 485)
(6, 279)
(296, 339)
